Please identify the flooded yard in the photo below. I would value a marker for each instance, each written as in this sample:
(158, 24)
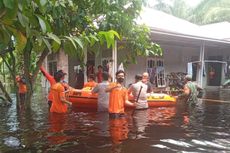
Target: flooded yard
(203, 128)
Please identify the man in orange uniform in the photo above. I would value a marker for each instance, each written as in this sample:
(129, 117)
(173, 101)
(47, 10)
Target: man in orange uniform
(22, 88)
(58, 95)
(118, 96)
(52, 81)
(91, 81)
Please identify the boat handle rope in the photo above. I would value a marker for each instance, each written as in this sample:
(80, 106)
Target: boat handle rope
(215, 100)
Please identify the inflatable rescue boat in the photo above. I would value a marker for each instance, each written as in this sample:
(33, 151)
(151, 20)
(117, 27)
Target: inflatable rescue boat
(85, 99)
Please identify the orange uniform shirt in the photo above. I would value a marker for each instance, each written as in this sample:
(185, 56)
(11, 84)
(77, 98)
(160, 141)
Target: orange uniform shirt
(117, 99)
(90, 84)
(22, 87)
(57, 92)
(51, 80)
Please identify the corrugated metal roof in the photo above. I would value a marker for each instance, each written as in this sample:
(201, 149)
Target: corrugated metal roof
(158, 20)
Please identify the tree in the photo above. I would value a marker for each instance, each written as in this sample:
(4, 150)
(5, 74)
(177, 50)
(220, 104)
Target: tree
(211, 11)
(177, 8)
(207, 11)
(42, 26)
(3, 77)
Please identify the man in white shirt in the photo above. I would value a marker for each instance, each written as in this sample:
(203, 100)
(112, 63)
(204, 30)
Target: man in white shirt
(139, 91)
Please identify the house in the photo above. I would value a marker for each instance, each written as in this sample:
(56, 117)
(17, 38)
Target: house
(197, 50)
(202, 51)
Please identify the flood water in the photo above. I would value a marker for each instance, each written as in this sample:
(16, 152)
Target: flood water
(203, 128)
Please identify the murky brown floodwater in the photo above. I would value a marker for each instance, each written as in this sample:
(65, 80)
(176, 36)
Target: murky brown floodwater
(204, 128)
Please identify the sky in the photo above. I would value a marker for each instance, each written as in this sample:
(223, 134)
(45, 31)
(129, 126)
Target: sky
(192, 3)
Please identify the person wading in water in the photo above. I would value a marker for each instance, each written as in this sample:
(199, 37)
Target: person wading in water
(190, 91)
(118, 97)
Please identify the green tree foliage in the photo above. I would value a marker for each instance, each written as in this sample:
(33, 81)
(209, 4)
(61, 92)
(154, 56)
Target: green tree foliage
(211, 11)
(207, 11)
(30, 29)
(138, 43)
(177, 8)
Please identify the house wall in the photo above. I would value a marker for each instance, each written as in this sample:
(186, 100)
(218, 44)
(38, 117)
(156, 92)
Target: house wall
(175, 60)
(104, 53)
(73, 62)
(62, 64)
(133, 69)
(177, 57)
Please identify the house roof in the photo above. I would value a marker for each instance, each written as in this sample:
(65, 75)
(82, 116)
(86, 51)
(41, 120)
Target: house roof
(161, 22)
(217, 30)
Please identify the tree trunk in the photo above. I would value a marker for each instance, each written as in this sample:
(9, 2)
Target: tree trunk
(29, 96)
(12, 70)
(7, 96)
(31, 79)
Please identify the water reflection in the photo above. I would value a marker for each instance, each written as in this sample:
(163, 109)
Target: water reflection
(118, 129)
(102, 124)
(162, 115)
(140, 122)
(57, 127)
(203, 128)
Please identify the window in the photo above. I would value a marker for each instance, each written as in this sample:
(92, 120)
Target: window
(52, 63)
(52, 67)
(155, 68)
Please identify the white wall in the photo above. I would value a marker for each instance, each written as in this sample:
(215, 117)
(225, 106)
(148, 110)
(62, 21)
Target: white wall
(134, 69)
(176, 57)
(175, 60)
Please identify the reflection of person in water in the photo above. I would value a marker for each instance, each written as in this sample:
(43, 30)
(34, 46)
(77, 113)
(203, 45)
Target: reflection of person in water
(102, 124)
(118, 129)
(57, 126)
(140, 121)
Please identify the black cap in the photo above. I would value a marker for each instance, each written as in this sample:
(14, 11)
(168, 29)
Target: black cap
(61, 72)
(57, 76)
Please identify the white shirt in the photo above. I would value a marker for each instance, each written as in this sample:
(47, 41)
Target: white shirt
(142, 100)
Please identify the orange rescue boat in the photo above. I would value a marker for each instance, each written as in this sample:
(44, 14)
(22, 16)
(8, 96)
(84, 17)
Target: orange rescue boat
(85, 99)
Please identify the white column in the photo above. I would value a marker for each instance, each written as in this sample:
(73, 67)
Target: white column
(114, 58)
(85, 62)
(202, 49)
(46, 65)
(98, 60)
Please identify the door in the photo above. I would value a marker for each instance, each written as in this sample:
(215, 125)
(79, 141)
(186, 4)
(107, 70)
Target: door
(214, 74)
